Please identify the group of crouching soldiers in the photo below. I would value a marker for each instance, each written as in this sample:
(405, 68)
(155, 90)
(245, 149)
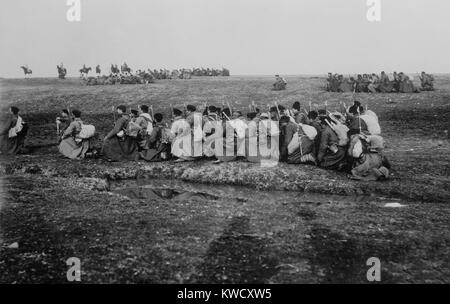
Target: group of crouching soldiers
(372, 83)
(124, 75)
(348, 140)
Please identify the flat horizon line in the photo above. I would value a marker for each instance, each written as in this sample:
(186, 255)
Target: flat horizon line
(233, 75)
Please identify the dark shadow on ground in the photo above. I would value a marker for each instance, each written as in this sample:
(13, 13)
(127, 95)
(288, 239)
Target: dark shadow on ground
(238, 257)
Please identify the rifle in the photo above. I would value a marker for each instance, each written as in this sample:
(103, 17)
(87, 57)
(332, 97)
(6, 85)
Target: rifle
(278, 110)
(57, 125)
(300, 140)
(171, 112)
(152, 115)
(223, 110)
(184, 109)
(57, 131)
(343, 109)
(114, 114)
(359, 120)
(70, 113)
(229, 107)
(254, 106)
(226, 116)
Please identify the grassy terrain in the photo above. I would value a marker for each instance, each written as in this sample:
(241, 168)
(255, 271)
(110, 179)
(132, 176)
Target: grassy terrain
(56, 208)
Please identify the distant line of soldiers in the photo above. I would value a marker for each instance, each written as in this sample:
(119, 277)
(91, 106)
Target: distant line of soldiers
(185, 73)
(125, 75)
(139, 77)
(174, 74)
(162, 73)
(188, 73)
(372, 83)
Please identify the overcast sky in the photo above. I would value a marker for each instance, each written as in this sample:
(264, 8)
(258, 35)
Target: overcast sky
(246, 36)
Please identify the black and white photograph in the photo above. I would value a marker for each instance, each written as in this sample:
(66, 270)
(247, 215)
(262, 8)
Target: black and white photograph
(217, 143)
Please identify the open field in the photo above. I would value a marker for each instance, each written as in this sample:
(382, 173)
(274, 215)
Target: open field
(141, 222)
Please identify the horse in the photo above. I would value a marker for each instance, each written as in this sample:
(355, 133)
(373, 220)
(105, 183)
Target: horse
(114, 69)
(125, 68)
(62, 71)
(85, 70)
(26, 70)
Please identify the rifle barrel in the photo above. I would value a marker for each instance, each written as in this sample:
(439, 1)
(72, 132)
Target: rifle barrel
(70, 113)
(229, 107)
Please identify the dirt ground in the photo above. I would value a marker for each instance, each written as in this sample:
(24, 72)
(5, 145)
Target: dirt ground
(303, 225)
